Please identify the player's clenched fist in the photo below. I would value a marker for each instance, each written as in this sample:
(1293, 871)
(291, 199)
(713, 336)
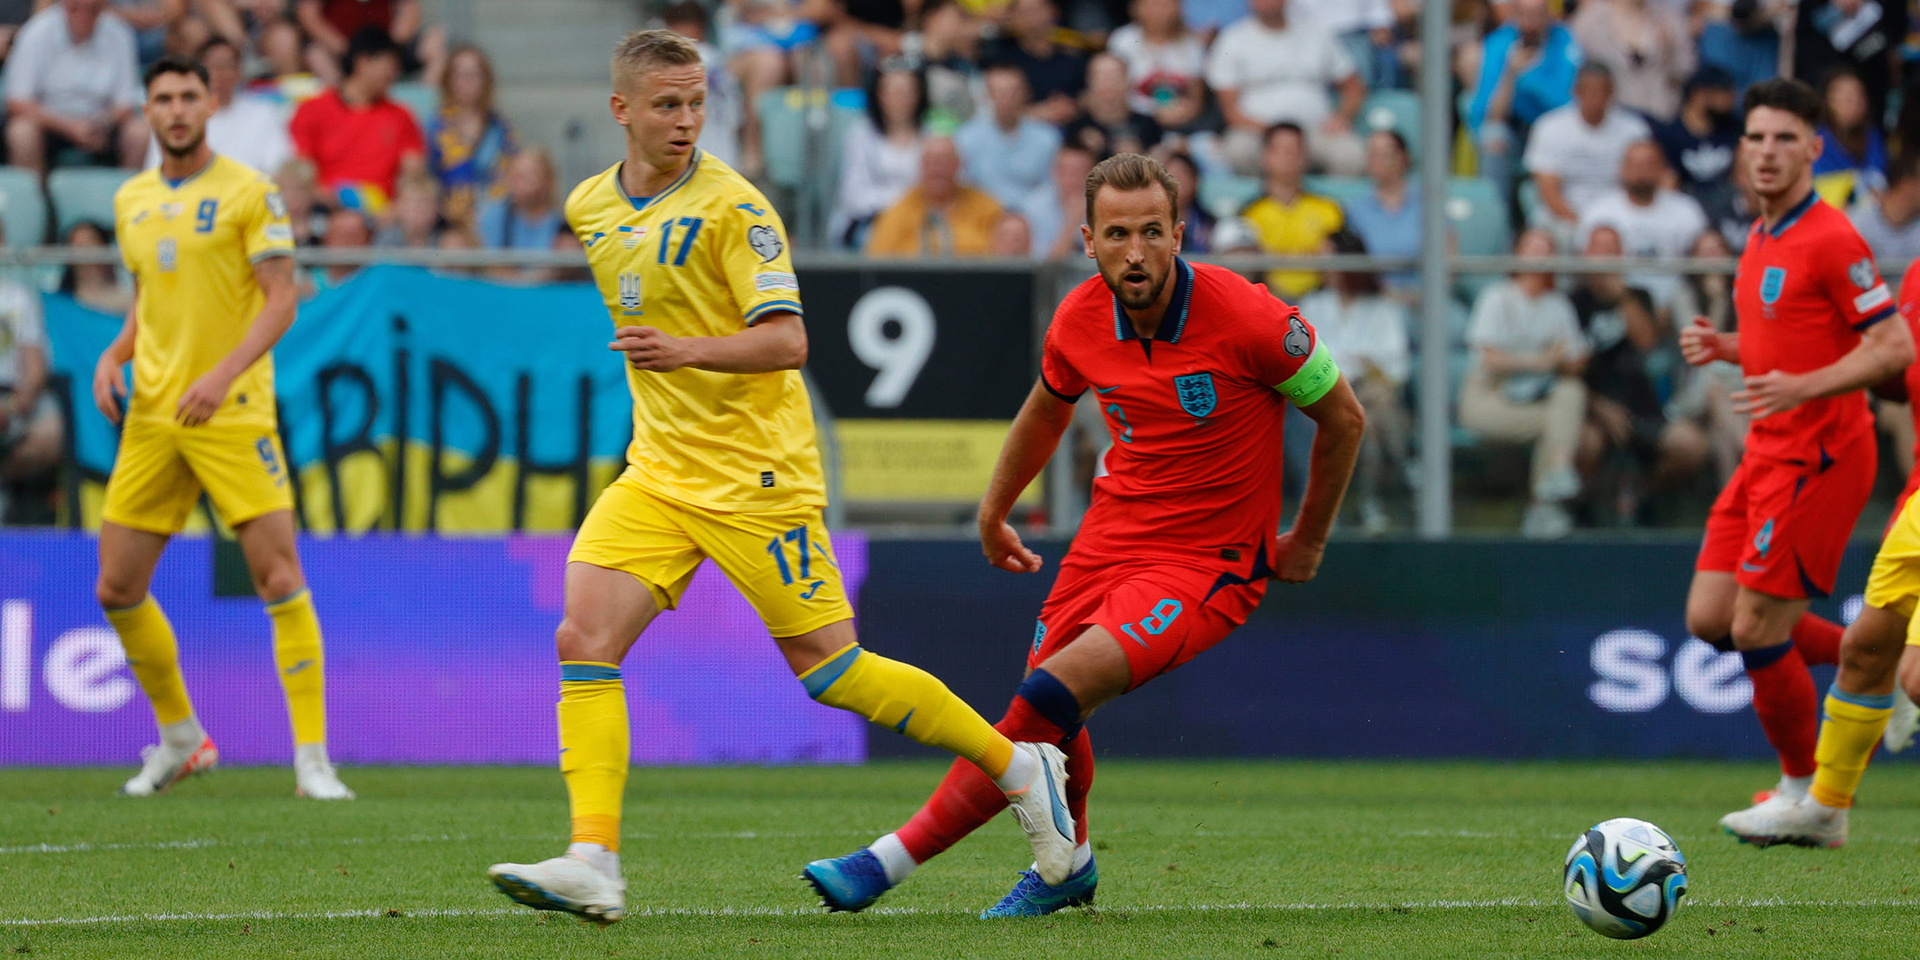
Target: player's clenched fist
(109, 386)
(1700, 343)
(1003, 548)
(648, 348)
(1295, 561)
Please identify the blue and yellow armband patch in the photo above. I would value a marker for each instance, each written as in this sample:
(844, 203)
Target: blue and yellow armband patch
(1314, 378)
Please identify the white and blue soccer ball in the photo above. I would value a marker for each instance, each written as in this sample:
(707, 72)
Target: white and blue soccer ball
(1625, 878)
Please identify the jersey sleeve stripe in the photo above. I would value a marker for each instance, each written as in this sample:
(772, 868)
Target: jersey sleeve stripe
(791, 306)
(270, 253)
(1074, 398)
(1882, 314)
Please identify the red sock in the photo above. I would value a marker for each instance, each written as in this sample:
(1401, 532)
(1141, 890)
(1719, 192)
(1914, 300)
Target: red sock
(1079, 781)
(968, 798)
(1818, 639)
(1789, 710)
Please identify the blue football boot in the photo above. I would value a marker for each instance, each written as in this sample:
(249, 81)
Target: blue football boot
(1032, 897)
(848, 884)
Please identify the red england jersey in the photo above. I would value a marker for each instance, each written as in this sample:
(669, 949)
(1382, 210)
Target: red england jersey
(1910, 310)
(1805, 290)
(1195, 414)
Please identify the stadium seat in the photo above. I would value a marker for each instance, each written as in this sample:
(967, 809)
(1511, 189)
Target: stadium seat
(420, 98)
(1480, 226)
(1396, 110)
(22, 207)
(1529, 199)
(1341, 190)
(83, 193)
(1225, 196)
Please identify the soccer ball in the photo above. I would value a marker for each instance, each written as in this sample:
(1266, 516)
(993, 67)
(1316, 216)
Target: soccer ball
(1625, 878)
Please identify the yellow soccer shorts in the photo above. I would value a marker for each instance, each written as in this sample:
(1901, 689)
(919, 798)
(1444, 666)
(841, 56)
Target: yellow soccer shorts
(780, 560)
(1894, 584)
(162, 467)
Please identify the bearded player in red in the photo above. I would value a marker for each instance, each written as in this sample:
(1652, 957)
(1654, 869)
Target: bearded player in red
(1192, 367)
(1811, 339)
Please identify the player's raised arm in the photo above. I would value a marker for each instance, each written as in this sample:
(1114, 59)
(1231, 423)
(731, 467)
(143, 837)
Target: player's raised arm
(1035, 434)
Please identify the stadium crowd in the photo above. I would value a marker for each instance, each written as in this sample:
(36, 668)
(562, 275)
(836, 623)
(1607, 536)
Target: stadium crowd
(1603, 126)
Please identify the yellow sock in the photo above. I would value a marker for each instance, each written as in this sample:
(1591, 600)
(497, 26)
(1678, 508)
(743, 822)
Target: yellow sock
(911, 701)
(154, 656)
(1854, 723)
(594, 749)
(298, 654)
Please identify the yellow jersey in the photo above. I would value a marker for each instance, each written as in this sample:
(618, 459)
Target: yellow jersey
(1299, 227)
(192, 245)
(705, 257)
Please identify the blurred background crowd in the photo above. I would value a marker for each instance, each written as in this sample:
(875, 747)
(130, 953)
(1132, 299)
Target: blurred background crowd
(966, 128)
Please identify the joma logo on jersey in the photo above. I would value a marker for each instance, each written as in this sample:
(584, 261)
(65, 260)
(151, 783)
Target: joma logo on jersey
(1196, 393)
(629, 292)
(1772, 282)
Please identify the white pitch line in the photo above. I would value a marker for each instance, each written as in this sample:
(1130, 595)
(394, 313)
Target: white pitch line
(721, 912)
(211, 842)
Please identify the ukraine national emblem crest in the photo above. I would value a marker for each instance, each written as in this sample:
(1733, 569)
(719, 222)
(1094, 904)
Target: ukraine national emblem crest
(1196, 393)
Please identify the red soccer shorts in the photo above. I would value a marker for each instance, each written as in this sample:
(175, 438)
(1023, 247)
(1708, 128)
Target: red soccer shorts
(1163, 613)
(1781, 526)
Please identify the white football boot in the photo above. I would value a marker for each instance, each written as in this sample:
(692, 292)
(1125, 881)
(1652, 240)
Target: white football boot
(162, 766)
(1041, 808)
(1802, 823)
(313, 774)
(1905, 720)
(570, 883)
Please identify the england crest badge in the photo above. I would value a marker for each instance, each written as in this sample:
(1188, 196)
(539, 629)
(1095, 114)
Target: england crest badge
(1196, 393)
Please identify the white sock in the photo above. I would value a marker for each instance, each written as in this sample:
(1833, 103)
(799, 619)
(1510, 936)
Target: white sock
(1796, 787)
(604, 860)
(894, 857)
(1082, 855)
(1021, 770)
(183, 735)
(309, 754)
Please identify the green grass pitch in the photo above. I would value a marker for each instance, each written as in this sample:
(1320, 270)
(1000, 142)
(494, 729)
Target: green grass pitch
(1196, 860)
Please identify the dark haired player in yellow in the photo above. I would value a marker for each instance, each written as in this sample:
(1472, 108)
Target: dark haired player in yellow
(692, 262)
(207, 241)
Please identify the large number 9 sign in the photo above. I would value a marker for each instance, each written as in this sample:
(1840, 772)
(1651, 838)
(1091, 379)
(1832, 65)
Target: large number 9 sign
(900, 357)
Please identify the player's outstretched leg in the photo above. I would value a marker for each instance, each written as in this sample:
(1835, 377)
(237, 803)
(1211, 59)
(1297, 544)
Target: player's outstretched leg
(1031, 775)
(299, 656)
(127, 557)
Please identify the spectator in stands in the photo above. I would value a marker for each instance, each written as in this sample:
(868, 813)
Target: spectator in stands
(1526, 69)
(940, 217)
(153, 21)
(1633, 366)
(1746, 44)
(346, 230)
(1853, 158)
(1574, 151)
(1649, 219)
(1272, 68)
(360, 141)
(1165, 62)
(245, 127)
(1890, 221)
(1387, 218)
(332, 25)
(1107, 123)
(307, 206)
(1647, 46)
(1207, 18)
(720, 135)
(950, 49)
(1012, 237)
(1056, 73)
(760, 45)
(880, 158)
(285, 78)
(13, 13)
(1198, 237)
(527, 216)
(184, 37)
(1365, 29)
(31, 427)
(415, 218)
(1287, 218)
(1004, 150)
(1525, 386)
(1706, 397)
(468, 141)
(1851, 35)
(95, 286)
(455, 238)
(1702, 139)
(72, 80)
(1368, 333)
(1056, 229)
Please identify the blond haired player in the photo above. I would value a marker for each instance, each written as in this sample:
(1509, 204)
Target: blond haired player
(207, 241)
(692, 263)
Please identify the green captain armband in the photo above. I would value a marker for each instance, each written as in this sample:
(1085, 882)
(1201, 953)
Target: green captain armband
(1313, 379)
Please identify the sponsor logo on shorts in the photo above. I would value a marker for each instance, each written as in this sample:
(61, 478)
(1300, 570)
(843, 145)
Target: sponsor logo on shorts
(1763, 541)
(766, 478)
(1039, 635)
